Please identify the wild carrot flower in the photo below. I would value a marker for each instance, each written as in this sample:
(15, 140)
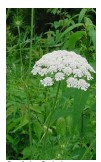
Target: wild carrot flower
(47, 81)
(59, 76)
(64, 65)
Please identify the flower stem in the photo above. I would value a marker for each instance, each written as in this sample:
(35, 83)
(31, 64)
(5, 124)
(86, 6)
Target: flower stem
(50, 115)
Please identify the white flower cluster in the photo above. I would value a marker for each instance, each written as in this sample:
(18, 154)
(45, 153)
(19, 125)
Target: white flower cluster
(62, 64)
(75, 83)
(47, 81)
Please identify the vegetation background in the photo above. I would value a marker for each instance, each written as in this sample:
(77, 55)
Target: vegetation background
(71, 134)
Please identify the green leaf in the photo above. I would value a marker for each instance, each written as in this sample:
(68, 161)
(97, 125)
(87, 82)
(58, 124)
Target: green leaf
(74, 38)
(61, 126)
(11, 125)
(60, 112)
(88, 22)
(10, 139)
(69, 123)
(80, 99)
(35, 108)
(91, 30)
(26, 152)
(82, 14)
(37, 129)
(56, 24)
(71, 28)
(10, 111)
(23, 122)
(92, 34)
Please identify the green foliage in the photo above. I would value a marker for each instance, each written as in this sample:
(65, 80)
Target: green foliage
(82, 14)
(37, 129)
(61, 126)
(32, 130)
(74, 38)
(69, 124)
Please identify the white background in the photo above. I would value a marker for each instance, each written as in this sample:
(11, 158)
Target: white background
(44, 4)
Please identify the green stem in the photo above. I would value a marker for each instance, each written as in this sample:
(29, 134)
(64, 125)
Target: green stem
(20, 51)
(31, 37)
(50, 115)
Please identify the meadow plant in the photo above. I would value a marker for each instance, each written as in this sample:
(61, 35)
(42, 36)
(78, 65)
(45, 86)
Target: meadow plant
(63, 65)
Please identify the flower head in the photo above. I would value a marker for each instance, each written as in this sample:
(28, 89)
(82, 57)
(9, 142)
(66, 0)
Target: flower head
(75, 83)
(62, 64)
(47, 81)
(59, 76)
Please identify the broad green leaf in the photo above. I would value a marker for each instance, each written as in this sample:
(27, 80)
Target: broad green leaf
(74, 38)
